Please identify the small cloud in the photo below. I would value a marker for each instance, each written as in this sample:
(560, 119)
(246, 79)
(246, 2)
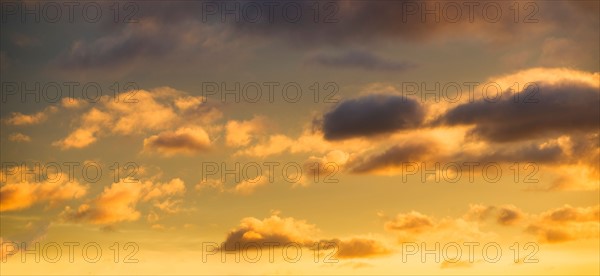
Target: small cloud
(185, 140)
(19, 137)
(20, 119)
(118, 202)
(566, 224)
(239, 133)
(414, 222)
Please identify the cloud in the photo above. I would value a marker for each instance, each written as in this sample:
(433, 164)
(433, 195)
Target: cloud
(184, 140)
(79, 138)
(558, 225)
(413, 222)
(415, 226)
(140, 111)
(240, 133)
(115, 204)
(324, 168)
(171, 188)
(534, 115)
(20, 191)
(372, 115)
(309, 141)
(275, 144)
(169, 206)
(19, 137)
(508, 215)
(248, 186)
(135, 41)
(273, 229)
(20, 119)
(358, 248)
(278, 231)
(348, 23)
(395, 156)
(504, 215)
(164, 31)
(567, 223)
(118, 202)
(361, 60)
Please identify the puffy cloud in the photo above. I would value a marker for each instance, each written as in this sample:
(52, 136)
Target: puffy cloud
(508, 215)
(273, 229)
(20, 192)
(115, 204)
(325, 167)
(503, 215)
(562, 224)
(149, 112)
(372, 115)
(20, 119)
(171, 188)
(359, 59)
(118, 202)
(414, 222)
(19, 137)
(141, 111)
(414, 226)
(239, 133)
(79, 138)
(567, 223)
(574, 96)
(186, 140)
(277, 231)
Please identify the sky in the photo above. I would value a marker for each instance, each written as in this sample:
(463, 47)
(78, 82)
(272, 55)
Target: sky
(299, 137)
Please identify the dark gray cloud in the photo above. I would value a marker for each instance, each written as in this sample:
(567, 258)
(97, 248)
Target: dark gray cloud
(508, 215)
(342, 22)
(560, 109)
(361, 60)
(394, 156)
(338, 23)
(115, 50)
(371, 115)
(238, 240)
(530, 152)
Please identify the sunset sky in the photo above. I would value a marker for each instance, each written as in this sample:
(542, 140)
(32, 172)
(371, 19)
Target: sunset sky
(302, 137)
